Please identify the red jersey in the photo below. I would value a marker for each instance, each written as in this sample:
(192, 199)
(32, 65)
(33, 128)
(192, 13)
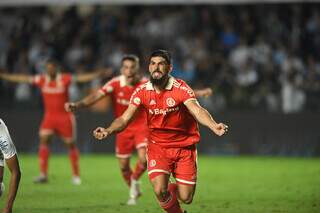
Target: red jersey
(120, 94)
(169, 121)
(54, 93)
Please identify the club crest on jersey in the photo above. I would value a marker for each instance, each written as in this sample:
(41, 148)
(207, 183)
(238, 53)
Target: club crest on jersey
(153, 163)
(136, 100)
(121, 94)
(170, 102)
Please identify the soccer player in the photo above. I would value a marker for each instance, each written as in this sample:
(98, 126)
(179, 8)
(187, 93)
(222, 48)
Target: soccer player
(135, 137)
(172, 115)
(8, 152)
(54, 88)
(120, 89)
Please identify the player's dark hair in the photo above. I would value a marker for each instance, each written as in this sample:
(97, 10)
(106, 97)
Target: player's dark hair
(162, 53)
(130, 57)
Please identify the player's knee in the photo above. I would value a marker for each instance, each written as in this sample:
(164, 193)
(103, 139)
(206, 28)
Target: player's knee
(160, 191)
(124, 167)
(186, 199)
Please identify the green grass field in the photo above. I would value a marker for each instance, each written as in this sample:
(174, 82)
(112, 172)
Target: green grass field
(225, 184)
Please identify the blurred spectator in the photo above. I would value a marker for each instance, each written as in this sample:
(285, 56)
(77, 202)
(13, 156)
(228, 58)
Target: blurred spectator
(240, 51)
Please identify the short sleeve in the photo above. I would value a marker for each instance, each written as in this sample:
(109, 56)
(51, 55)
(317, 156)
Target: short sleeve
(6, 145)
(37, 80)
(108, 88)
(136, 97)
(186, 93)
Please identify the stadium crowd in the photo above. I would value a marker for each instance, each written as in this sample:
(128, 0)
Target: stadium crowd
(255, 57)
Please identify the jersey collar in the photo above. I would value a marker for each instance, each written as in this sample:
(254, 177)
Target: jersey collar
(169, 85)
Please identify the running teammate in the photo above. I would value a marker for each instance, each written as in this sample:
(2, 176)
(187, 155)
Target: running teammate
(172, 115)
(54, 87)
(9, 154)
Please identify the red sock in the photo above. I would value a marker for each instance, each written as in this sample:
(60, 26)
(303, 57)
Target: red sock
(43, 159)
(74, 159)
(171, 204)
(126, 174)
(139, 170)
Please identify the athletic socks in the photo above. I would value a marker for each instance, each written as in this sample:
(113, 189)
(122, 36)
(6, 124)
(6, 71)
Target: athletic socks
(126, 174)
(139, 170)
(170, 203)
(74, 160)
(44, 153)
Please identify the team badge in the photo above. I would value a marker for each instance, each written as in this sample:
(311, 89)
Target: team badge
(152, 163)
(170, 102)
(136, 100)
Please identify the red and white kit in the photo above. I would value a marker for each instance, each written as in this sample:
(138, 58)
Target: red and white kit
(55, 94)
(136, 134)
(173, 130)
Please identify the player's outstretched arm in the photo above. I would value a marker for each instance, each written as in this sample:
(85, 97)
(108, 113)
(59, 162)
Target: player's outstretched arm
(16, 78)
(206, 92)
(117, 125)
(13, 165)
(204, 117)
(85, 102)
(86, 77)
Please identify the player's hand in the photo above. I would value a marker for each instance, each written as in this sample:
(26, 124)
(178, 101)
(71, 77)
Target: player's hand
(70, 106)
(101, 133)
(221, 129)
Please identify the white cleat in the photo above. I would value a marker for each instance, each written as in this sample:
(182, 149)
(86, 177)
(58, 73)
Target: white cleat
(134, 193)
(76, 180)
(132, 201)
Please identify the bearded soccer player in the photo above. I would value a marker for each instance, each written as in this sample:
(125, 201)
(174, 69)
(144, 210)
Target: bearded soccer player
(54, 87)
(120, 89)
(172, 115)
(9, 154)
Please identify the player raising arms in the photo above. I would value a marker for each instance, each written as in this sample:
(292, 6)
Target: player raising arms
(135, 136)
(120, 89)
(172, 115)
(54, 89)
(8, 152)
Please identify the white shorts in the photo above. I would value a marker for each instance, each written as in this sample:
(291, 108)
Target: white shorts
(7, 148)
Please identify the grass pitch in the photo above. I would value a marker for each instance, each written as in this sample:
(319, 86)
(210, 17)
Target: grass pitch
(225, 184)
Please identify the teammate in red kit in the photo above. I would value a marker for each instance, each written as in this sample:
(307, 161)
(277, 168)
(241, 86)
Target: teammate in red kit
(54, 89)
(120, 89)
(172, 115)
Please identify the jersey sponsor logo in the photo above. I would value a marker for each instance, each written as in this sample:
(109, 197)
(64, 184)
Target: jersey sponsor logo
(152, 163)
(137, 100)
(170, 102)
(163, 111)
(3, 144)
(152, 102)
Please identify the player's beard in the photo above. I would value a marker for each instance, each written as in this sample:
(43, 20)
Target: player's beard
(159, 81)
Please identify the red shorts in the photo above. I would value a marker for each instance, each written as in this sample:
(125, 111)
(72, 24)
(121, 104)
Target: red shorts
(129, 140)
(180, 162)
(60, 124)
